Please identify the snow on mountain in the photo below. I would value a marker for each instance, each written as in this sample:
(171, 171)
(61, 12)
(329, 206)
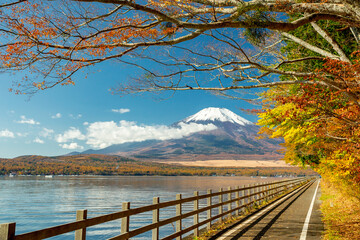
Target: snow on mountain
(217, 114)
(231, 137)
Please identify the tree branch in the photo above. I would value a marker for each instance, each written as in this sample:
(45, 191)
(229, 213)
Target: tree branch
(309, 46)
(13, 3)
(331, 41)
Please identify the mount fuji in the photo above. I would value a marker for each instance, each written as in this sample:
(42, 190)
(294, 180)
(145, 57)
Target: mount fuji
(211, 114)
(233, 137)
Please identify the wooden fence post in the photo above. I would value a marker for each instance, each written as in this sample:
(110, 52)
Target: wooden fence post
(267, 193)
(155, 219)
(230, 203)
(125, 221)
(80, 234)
(178, 213)
(209, 203)
(251, 198)
(243, 200)
(196, 216)
(274, 189)
(237, 203)
(270, 191)
(279, 188)
(221, 206)
(256, 190)
(7, 231)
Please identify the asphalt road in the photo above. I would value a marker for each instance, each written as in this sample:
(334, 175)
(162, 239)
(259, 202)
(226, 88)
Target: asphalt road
(294, 217)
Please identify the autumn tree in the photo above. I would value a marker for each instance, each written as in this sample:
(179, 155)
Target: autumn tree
(236, 43)
(320, 122)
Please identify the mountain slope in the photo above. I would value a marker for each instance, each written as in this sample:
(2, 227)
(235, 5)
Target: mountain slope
(233, 138)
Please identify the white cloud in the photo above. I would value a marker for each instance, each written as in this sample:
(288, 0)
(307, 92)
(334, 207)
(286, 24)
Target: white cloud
(104, 134)
(71, 146)
(121, 110)
(7, 133)
(25, 120)
(22, 134)
(86, 123)
(46, 133)
(58, 115)
(38, 140)
(72, 133)
(75, 116)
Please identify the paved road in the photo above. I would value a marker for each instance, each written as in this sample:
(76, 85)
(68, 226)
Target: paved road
(283, 219)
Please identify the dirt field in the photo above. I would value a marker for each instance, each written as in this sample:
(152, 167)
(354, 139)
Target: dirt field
(232, 163)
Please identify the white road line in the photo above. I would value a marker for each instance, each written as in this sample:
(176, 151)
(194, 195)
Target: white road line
(307, 220)
(228, 233)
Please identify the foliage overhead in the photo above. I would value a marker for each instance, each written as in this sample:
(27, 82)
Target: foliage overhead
(237, 42)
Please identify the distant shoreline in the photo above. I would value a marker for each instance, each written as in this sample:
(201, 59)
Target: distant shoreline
(106, 165)
(230, 163)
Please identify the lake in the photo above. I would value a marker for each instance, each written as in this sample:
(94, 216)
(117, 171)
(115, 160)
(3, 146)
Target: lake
(38, 202)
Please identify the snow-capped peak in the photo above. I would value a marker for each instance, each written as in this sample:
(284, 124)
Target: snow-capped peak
(217, 114)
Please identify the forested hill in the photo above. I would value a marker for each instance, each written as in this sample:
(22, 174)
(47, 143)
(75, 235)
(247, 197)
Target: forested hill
(116, 165)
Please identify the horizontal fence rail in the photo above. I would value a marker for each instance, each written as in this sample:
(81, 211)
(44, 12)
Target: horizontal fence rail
(228, 203)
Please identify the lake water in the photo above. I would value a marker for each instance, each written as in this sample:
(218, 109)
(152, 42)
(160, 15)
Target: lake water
(38, 202)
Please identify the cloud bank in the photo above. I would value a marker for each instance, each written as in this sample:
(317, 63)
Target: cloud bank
(104, 134)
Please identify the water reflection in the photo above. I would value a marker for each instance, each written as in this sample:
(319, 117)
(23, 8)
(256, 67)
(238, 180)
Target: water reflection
(39, 202)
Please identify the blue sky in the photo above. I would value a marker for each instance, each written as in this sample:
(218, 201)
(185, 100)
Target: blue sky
(75, 118)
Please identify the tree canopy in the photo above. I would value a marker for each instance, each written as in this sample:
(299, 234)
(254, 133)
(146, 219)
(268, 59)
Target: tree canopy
(236, 43)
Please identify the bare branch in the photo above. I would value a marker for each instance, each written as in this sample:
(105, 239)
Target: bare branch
(332, 42)
(309, 46)
(12, 3)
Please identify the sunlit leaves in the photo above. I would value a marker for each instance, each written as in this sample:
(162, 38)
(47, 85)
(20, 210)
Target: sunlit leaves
(321, 122)
(55, 41)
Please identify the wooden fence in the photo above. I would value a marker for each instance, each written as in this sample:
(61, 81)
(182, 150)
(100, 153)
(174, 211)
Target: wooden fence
(229, 202)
